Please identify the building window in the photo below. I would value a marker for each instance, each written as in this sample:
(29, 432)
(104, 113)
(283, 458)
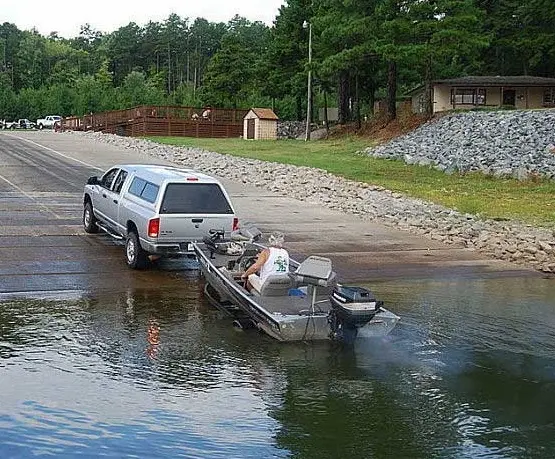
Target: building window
(468, 96)
(549, 97)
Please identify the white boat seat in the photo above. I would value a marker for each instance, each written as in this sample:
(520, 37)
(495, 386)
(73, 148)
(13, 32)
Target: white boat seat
(316, 271)
(276, 285)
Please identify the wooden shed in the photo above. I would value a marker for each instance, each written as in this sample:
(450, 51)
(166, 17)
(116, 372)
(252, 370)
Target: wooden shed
(260, 124)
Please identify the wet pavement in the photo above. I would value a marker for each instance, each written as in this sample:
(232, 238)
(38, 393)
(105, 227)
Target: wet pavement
(44, 248)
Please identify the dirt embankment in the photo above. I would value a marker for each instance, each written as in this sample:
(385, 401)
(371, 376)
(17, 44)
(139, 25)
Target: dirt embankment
(378, 129)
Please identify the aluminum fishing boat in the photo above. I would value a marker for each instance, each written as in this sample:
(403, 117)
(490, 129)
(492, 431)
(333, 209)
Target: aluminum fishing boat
(304, 304)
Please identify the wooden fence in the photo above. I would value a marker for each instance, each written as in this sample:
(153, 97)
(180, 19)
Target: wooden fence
(162, 121)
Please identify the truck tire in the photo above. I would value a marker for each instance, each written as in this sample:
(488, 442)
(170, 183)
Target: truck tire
(89, 220)
(135, 256)
(41, 127)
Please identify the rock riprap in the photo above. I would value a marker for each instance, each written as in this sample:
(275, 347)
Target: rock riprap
(515, 143)
(510, 241)
(290, 129)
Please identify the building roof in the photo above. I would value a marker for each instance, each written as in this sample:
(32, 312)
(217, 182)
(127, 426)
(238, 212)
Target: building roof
(265, 113)
(522, 80)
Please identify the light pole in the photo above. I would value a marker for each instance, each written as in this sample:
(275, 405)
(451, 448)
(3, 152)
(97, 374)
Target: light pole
(309, 91)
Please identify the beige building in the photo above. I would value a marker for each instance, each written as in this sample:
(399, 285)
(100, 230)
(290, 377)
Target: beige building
(260, 124)
(486, 91)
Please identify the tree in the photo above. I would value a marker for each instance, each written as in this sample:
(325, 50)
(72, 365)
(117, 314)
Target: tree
(447, 39)
(361, 48)
(123, 51)
(204, 41)
(347, 44)
(175, 38)
(10, 38)
(137, 90)
(7, 97)
(30, 61)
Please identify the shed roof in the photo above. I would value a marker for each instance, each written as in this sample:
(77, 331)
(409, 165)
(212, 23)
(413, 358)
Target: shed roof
(522, 80)
(264, 113)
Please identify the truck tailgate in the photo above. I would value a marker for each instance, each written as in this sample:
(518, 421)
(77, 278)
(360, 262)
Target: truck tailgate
(183, 228)
(188, 211)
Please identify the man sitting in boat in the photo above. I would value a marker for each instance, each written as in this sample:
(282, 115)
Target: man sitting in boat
(273, 260)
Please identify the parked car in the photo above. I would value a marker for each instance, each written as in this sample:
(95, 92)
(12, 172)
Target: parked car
(158, 210)
(22, 123)
(48, 121)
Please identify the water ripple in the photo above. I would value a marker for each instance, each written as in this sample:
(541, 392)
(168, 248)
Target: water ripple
(469, 372)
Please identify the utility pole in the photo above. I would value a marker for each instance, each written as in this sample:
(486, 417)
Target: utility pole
(309, 92)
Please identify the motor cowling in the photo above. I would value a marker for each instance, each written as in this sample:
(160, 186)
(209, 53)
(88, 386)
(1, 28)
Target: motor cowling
(352, 308)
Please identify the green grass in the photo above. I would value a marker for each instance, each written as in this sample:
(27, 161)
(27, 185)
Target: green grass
(529, 201)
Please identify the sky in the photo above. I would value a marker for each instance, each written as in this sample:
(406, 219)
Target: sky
(67, 16)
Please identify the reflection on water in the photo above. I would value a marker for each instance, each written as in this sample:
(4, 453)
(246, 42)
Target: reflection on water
(468, 372)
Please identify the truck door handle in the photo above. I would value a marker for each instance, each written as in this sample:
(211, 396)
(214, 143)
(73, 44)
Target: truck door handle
(104, 195)
(115, 201)
(197, 220)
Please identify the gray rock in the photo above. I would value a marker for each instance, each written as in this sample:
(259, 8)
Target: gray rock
(518, 143)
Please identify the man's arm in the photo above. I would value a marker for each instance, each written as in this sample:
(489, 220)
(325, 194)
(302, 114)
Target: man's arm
(262, 258)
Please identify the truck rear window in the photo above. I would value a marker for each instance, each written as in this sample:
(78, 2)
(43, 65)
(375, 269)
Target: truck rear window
(195, 198)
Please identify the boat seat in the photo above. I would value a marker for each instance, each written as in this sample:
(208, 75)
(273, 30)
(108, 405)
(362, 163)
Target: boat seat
(315, 271)
(276, 285)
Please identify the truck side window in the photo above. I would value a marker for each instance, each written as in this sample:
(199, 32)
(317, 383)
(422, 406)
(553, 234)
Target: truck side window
(119, 181)
(150, 192)
(143, 189)
(137, 186)
(108, 178)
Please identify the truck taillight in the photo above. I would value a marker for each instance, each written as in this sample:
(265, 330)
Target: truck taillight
(154, 227)
(235, 226)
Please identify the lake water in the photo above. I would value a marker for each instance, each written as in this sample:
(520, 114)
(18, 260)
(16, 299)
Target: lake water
(468, 372)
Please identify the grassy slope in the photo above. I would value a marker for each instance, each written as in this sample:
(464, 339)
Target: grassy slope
(530, 201)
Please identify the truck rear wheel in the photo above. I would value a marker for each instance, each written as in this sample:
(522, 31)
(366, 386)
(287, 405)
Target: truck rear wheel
(135, 255)
(89, 220)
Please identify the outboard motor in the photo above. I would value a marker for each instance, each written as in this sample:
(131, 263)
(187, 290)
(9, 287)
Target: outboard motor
(352, 308)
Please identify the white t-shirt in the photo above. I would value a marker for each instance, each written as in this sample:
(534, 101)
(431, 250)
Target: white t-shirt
(277, 262)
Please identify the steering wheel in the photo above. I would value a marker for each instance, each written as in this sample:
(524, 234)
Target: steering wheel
(248, 262)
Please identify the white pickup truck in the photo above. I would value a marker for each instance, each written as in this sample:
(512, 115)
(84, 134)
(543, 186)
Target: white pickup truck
(22, 123)
(48, 121)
